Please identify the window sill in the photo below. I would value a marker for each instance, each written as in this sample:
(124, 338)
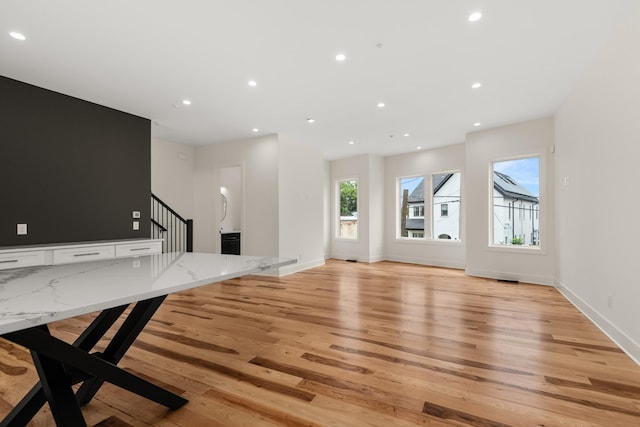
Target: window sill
(343, 239)
(445, 242)
(531, 250)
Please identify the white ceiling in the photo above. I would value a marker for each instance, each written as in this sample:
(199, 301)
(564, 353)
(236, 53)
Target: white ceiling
(145, 56)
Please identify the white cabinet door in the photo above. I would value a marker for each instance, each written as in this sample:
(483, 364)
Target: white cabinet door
(21, 259)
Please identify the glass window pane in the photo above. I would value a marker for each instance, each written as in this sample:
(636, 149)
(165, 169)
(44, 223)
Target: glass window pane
(348, 209)
(516, 202)
(411, 207)
(446, 205)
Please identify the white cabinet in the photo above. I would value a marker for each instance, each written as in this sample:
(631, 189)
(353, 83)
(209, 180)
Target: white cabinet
(135, 249)
(76, 252)
(81, 254)
(21, 259)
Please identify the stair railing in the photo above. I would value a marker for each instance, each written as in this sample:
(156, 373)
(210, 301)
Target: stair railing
(167, 224)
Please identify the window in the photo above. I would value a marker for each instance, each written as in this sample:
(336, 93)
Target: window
(411, 207)
(446, 205)
(516, 202)
(348, 209)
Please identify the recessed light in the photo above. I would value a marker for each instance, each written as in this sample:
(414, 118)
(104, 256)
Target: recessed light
(255, 130)
(351, 142)
(476, 85)
(310, 120)
(186, 102)
(341, 57)
(476, 124)
(17, 36)
(252, 83)
(380, 104)
(418, 148)
(475, 16)
(406, 134)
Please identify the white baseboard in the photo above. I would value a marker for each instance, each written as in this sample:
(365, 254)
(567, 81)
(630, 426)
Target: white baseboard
(292, 268)
(519, 277)
(627, 344)
(423, 261)
(359, 259)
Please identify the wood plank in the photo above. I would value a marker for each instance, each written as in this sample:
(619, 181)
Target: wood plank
(360, 344)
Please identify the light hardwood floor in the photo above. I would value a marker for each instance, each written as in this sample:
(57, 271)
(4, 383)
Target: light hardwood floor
(353, 344)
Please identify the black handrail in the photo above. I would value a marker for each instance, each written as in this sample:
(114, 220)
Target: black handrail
(176, 232)
(157, 224)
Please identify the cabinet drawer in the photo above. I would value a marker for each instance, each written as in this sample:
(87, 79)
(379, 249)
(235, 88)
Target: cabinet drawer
(63, 256)
(135, 249)
(21, 259)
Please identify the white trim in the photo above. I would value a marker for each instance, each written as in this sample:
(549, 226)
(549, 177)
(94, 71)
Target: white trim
(427, 241)
(505, 275)
(517, 249)
(291, 268)
(336, 210)
(425, 261)
(622, 340)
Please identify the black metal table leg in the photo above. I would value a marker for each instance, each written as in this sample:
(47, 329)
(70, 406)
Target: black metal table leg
(31, 403)
(123, 339)
(56, 385)
(60, 365)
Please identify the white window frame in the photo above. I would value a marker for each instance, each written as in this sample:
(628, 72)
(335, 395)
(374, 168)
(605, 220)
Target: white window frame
(434, 238)
(397, 210)
(539, 249)
(338, 216)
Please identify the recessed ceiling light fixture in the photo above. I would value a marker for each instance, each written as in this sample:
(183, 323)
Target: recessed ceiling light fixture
(418, 148)
(380, 104)
(476, 124)
(186, 102)
(341, 57)
(255, 130)
(17, 36)
(252, 83)
(406, 134)
(311, 120)
(476, 85)
(351, 142)
(475, 16)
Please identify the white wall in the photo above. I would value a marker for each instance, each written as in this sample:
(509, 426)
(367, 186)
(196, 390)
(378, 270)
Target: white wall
(533, 265)
(327, 208)
(427, 162)
(172, 175)
(259, 160)
(376, 208)
(301, 202)
(598, 149)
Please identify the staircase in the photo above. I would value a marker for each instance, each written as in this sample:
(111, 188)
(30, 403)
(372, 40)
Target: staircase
(167, 224)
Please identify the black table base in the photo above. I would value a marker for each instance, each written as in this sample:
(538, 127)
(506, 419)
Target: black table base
(61, 365)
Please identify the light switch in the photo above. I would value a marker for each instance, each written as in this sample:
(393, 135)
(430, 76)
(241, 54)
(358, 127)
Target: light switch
(22, 229)
(136, 214)
(136, 225)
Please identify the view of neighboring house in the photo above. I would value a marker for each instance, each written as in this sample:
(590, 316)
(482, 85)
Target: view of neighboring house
(515, 210)
(446, 208)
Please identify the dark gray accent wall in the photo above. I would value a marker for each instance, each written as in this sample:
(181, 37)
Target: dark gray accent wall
(72, 170)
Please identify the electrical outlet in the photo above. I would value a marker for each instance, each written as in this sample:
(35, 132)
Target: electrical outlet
(136, 225)
(22, 229)
(135, 214)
